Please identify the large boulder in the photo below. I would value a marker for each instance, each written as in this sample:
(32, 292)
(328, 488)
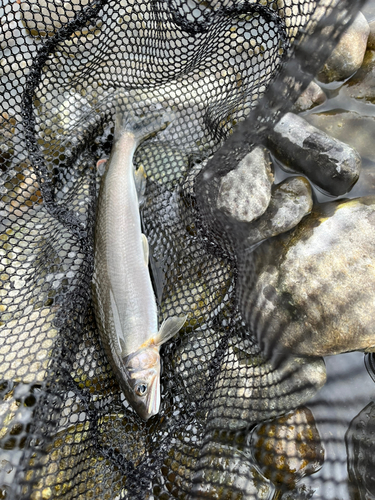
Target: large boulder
(311, 292)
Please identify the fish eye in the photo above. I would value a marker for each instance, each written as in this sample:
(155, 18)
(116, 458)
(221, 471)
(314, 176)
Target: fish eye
(141, 389)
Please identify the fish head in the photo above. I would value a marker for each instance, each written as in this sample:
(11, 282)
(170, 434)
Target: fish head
(142, 375)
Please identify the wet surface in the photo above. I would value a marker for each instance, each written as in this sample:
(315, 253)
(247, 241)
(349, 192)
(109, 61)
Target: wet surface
(348, 390)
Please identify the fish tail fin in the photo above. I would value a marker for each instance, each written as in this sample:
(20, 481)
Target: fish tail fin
(141, 126)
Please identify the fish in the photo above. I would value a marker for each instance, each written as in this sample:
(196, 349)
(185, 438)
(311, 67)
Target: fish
(123, 297)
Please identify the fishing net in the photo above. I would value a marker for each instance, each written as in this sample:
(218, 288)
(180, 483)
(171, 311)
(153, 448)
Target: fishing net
(228, 70)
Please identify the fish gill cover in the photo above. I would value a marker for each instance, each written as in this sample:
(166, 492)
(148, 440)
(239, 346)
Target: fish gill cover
(232, 423)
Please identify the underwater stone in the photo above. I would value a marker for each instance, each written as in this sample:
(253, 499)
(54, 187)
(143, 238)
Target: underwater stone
(288, 448)
(310, 292)
(311, 97)
(360, 445)
(291, 200)
(348, 55)
(358, 131)
(223, 471)
(194, 370)
(246, 191)
(330, 164)
(371, 37)
(362, 84)
(249, 389)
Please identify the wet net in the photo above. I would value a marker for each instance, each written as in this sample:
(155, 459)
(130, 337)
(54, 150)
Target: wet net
(232, 424)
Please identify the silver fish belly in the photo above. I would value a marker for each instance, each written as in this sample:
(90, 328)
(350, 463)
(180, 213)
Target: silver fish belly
(124, 301)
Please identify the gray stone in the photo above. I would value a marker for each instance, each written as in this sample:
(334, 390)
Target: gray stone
(330, 164)
(249, 389)
(311, 97)
(348, 55)
(246, 191)
(291, 200)
(356, 130)
(311, 291)
(371, 37)
(362, 84)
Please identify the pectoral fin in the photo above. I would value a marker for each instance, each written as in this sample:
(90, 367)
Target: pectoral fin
(145, 249)
(169, 328)
(140, 183)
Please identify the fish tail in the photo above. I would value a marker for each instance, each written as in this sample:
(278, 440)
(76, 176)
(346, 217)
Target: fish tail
(141, 126)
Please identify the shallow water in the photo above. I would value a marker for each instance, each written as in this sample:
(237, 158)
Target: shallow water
(348, 390)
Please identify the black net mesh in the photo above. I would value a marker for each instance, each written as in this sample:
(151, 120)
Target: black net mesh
(232, 424)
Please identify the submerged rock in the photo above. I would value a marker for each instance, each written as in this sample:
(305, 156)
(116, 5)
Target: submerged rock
(371, 37)
(311, 291)
(291, 200)
(348, 55)
(360, 445)
(330, 164)
(288, 448)
(249, 389)
(357, 130)
(362, 84)
(224, 471)
(246, 191)
(311, 97)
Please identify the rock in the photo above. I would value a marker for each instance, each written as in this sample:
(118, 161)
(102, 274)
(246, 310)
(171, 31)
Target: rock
(360, 443)
(311, 97)
(358, 131)
(330, 164)
(288, 448)
(225, 472)
(291, 200)
(193, 358)
(305, 292)
(249, 389)
(246, 191)
(371, 37)
(362, 84)
(348, 55)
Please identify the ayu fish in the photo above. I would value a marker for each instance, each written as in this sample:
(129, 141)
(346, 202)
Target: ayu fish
(124, 300)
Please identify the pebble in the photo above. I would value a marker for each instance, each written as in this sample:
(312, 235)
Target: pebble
(360, 442)
(311, 97)
(291, 200)
(288, 448)
(250, 390)
(305, 293)
(330, 164)
(245, 192)
(348, 55)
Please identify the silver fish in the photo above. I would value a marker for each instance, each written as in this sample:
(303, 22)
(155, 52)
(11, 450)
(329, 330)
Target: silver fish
(124, 301)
